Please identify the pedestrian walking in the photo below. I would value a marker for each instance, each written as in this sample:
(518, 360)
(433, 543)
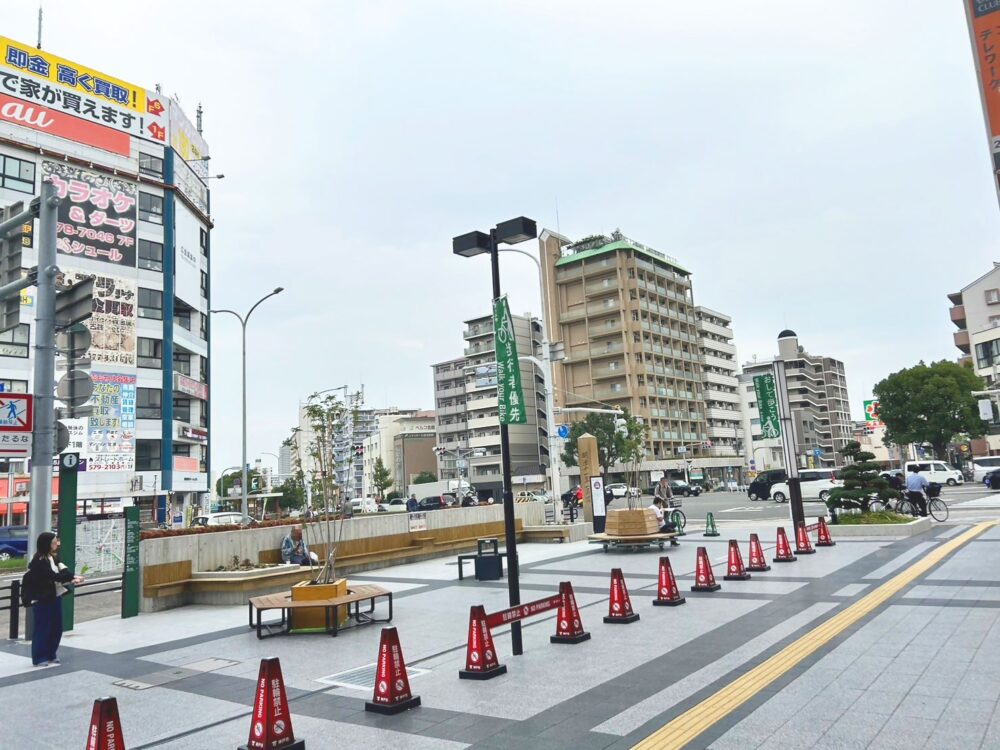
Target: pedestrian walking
(47, 578)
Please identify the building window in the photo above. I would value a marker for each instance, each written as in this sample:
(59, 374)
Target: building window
(18, 174)
(151, 208)
(203, 327)
(992, 296)
(147, 455)
(203, 240)
(148, 403)
(14, 386)
(182, 362)
(150, 353)
(182, 316)
(14, 343)
(182, 409)
(151, 166)
(204, 284)
(150, 255)
(150, 303)
(203, 369)
(986, 354)
(182, 449)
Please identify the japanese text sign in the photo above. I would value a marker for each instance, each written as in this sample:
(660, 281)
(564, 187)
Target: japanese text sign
(45, 120)
(984, 28)
(112, 324)
(767, 405)
(111, 426)
(510, 397)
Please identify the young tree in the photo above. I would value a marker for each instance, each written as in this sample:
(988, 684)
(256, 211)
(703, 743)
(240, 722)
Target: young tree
(425, 477)
(862, 482)
(930, 404)
(612, 446)
(381, 476)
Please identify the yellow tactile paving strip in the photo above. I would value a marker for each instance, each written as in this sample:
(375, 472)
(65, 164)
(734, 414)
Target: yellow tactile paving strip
(678, 732)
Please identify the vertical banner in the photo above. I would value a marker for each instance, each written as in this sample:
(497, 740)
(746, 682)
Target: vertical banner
(130, 579)
(97, 214)
(69, 464)
(510, 397)
(111, 426)
(112, 324)
(767, 405)
(871, 414)
(984, 32)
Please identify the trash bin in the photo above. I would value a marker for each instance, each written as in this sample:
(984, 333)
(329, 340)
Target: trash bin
(488, 567)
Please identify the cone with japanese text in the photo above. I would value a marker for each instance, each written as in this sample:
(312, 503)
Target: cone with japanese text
(271, 722)
(704, 578)
(667, 593)
(734, 565)
(755, 559)
(105, 726)
(823, 538)
(710, 529)
(481, 661)
(569, 627)
(783, 551)
(802, 544)
(620, 604)
(392, 686)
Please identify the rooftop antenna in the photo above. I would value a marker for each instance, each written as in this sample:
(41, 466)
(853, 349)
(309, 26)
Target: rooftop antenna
(198, 118)
(39, 25)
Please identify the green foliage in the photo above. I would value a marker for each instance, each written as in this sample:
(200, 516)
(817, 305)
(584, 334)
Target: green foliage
(864, 519)
(232, 479)
(930, 404)
(293, 494)
(393, 495)
(612, 447)
(425, 477)
(381, 476)
(862, 482)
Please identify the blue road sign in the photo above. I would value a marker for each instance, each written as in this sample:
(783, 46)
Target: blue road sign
(817, 453)
(563, 431)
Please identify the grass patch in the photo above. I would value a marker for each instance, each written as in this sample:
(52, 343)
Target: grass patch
(858, 519)
(14, 564)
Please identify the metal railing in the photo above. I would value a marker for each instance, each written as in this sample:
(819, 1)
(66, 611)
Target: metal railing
(11, 597)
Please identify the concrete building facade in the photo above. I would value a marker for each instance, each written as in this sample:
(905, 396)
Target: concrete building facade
(403, 441)
(723, 405)
(131, 173)
(817, 392)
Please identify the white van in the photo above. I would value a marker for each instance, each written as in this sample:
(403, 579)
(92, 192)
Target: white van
(984, 465)
(937, 471)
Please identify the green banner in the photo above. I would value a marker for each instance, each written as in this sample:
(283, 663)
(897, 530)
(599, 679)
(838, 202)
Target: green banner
(69, 464)
(510, 397)
(130, 581)
(767, 405)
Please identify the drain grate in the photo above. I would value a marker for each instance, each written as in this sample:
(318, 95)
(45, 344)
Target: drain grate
(363, 678)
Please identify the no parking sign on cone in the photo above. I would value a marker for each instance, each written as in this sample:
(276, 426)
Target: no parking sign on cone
(105, 726)
(481, 662)
(757, 563)
(704, 578)
(392, 686)
(620, 604)
(667, 593)
(271, 722)
(734, 566)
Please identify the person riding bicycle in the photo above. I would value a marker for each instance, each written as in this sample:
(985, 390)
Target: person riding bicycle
(916, 485)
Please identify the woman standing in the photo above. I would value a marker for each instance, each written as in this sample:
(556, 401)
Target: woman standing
(48, 577)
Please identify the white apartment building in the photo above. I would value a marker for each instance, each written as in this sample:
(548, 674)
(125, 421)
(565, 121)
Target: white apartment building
(131, 173)
(383, 442)
(723, 405)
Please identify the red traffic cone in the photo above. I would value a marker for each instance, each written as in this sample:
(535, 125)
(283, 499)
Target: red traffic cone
(481, 662)
(271, 723)
(823, 538)
(704, 578)
(783, 553)
(757, 563)
(802, 544)
(667, 593)
(392, 686)
(620, 605)
(569, 628)
(734, 566)
(105, 726)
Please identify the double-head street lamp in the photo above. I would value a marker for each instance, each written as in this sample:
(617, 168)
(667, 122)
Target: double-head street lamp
(469, 245)
(243, 323)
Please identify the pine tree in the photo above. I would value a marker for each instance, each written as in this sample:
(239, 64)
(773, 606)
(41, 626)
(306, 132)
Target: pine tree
(862, 482)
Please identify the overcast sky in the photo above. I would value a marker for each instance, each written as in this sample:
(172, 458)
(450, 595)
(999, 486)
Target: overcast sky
(818, 166)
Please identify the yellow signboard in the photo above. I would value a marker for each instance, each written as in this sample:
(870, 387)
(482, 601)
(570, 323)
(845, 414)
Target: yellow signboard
(35, 62)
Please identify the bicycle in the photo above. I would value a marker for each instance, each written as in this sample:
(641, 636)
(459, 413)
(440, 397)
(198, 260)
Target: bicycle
(936, 507)
(678, 519)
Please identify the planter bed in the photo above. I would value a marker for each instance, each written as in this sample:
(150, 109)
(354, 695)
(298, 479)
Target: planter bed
(914, 527)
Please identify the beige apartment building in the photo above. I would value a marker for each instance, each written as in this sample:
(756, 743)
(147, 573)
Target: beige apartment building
(723, 405)
(625, 316)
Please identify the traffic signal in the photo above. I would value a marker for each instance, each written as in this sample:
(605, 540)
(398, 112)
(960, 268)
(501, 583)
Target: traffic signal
(255, 484)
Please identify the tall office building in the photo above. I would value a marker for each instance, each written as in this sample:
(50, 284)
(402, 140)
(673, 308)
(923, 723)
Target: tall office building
(723, 406)
(467, 420)
(817, 392)
(625, 316)
(131, 173)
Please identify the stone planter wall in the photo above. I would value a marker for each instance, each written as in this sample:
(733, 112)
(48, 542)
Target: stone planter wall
(914, 527)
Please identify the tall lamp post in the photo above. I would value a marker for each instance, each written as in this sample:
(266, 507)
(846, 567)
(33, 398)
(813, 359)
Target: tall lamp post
(469, 245)
(243, 323)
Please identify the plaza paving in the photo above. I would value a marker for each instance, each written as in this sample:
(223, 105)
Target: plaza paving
(918, 669)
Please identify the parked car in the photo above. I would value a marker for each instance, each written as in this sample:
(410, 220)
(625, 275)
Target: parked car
(812, 489)
(937, 471)
(617, 489)
(680, 487)
(530, 496)
(760, 486)
(224, 519)
(13, 542)
(363, 505)
(396, 505)
(983, 466)
(434, 502)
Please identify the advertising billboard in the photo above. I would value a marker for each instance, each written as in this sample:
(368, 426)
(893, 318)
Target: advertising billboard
(111, 427)
(984, 31)
(97, 216)
(112, 324)
(45, 120)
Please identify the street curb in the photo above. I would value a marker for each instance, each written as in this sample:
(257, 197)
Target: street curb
(914, 527)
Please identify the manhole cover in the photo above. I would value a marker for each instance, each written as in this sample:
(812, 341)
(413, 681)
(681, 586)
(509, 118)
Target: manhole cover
(363, 678)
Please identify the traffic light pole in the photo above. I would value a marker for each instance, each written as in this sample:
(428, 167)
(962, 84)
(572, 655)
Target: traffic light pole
(44, 437)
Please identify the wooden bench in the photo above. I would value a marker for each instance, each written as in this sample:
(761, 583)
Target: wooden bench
(165, 579)
(633, 542)
(555, 532)
(331, 609)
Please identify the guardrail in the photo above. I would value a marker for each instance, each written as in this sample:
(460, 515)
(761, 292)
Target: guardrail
(10, 596)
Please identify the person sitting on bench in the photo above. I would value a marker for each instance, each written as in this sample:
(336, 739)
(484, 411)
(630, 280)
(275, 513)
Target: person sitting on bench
(665, 526)
(294, 549)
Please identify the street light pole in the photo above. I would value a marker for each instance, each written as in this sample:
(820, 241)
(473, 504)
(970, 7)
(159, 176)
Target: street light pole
(244, 319)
